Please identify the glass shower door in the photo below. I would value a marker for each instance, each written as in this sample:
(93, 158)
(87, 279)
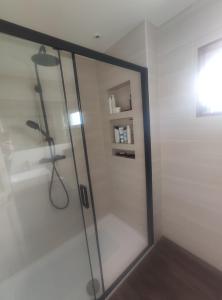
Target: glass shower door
(111, 102)
(44, 251)
(77, 125)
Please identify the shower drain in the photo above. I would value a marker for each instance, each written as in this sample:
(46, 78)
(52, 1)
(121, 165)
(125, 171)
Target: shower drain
(93, 286)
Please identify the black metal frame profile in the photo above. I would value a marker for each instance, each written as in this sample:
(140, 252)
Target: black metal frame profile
(59, 44)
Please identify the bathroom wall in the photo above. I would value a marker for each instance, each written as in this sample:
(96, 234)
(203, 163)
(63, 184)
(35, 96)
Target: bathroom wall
(112, 177)
(132, 47)
(126, 186)
(139, 46)
(186, 151)
(151, 50)
(191, 147)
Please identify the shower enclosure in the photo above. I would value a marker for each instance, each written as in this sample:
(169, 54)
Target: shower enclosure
(75, 162)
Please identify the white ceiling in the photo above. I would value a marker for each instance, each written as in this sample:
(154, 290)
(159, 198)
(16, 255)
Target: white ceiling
(78, 20)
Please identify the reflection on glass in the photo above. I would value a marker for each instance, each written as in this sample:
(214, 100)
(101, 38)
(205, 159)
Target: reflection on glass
(75, 119)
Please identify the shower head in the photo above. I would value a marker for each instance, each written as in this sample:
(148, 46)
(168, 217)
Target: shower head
(36, 126)
(44, 59)
(32, 125)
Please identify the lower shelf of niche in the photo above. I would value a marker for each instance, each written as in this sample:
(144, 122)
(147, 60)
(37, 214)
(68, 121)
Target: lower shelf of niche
(124, 153)
(122, 146)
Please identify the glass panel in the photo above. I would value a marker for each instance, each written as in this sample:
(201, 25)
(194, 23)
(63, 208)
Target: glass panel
(81, 165)
(43, 247)
(112, 111)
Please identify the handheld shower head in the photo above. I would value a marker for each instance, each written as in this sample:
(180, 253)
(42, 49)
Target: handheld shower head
(36, 126)
(32, 125)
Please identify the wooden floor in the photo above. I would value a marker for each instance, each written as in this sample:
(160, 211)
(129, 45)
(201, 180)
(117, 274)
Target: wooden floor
(171, 273)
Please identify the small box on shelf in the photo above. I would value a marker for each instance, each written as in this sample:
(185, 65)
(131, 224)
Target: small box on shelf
(122, 135)
(122, 131)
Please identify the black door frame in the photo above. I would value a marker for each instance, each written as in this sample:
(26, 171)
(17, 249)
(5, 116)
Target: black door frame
(59, 44)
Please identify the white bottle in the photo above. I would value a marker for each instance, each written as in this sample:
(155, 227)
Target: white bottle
(110, 105)
(116, 134)
(125, 135)
(129, 138)
(113, 101)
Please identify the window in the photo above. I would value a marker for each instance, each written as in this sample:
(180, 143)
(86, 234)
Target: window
(210, 79)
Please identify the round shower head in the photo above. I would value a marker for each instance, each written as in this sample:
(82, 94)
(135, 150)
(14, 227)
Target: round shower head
(44, 59)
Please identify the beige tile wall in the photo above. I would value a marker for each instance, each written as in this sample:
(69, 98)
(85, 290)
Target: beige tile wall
(186, 151)
(126, 177)
(191, 148)
(139, 46)
(118, 184)
(151, 58)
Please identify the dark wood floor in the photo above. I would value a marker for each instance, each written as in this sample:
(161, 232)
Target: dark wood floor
(171, 273)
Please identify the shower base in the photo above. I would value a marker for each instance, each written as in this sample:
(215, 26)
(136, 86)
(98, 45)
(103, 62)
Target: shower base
(120, 244)
(64, 272)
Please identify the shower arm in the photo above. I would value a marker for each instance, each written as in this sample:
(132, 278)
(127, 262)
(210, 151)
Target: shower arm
(38, 89)
(49, 139)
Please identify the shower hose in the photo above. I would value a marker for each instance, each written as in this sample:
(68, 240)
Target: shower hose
(53, 173)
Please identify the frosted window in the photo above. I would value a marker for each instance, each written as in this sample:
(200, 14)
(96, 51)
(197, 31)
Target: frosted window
(210, 79)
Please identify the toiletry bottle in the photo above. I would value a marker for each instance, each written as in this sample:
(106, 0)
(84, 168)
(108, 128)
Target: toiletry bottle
(110, 105)
(129, 139)
(116, 134)
(125, 135)
(113, 101)
(121, 134)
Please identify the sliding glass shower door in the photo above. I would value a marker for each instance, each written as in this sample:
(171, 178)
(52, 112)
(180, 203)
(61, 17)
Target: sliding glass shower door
(112, 108)
(44, 250)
